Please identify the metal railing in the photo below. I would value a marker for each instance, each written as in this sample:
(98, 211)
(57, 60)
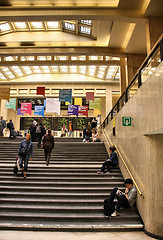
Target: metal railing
(146, 69)
(108, 141)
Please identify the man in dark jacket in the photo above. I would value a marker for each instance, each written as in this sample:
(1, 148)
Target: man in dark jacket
(48, 145)
(10, 126)
(24, 153)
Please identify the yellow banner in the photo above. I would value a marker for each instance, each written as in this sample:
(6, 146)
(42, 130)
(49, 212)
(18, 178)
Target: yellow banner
(5, 94)
(96, 112)
(78, 101)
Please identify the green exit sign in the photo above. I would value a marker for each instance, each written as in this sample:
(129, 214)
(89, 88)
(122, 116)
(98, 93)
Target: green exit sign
(126, 121)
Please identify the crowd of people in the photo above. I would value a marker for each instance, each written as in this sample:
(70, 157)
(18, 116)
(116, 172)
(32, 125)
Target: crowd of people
(90, 133)
(126, 199)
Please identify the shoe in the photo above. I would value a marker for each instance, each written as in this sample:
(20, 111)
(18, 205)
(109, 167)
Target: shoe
(115, 214)
(108, 172)
(47, 164)
(25, 175)
(100, 172)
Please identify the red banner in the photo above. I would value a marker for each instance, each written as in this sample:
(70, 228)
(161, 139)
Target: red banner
(41, 91)
(90, 96)
(83, 110)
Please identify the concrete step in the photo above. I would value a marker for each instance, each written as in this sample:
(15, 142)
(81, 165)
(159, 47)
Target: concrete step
(66, 195)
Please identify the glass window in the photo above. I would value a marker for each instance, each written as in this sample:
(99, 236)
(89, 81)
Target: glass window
(69, 26)
(85, 30)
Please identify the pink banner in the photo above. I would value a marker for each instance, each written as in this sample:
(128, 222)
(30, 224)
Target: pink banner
(90, 96)
(26, 107)
(83, 110)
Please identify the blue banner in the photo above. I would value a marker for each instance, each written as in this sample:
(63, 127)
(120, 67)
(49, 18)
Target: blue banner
(39, 110)
(19, 112)
(73, 110)
(65, 95)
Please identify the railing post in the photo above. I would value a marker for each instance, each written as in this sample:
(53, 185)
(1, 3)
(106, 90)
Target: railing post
(112, 114)
(117, 106)
(139, 79)
(161, 49)
(126, 95)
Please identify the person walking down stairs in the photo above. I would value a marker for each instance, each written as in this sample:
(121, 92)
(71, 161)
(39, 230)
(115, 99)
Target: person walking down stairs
(48, 145)
(24, 153)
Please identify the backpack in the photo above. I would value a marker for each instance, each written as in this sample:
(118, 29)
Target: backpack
(38, 129)
(108, 207)
(8, 125)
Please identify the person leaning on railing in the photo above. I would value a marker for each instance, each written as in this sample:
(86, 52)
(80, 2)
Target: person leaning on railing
(112, 161)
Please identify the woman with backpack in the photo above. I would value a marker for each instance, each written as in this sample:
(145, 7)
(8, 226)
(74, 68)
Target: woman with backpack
(24, 153)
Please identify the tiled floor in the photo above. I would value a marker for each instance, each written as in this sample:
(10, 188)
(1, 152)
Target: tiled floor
(18, 235)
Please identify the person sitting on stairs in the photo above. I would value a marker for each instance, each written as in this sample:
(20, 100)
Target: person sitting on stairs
(126, 199)
(112, 161)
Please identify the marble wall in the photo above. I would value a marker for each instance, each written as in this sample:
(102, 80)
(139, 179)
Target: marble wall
(142, 150)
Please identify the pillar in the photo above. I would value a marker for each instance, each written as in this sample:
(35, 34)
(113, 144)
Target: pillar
(122, 75)
(154, 29)
(134, 61)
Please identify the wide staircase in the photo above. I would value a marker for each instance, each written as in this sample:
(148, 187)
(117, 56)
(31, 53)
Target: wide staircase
(66, 195)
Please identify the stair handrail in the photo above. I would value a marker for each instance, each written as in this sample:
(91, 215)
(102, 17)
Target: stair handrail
(109, 142)
(159, 44)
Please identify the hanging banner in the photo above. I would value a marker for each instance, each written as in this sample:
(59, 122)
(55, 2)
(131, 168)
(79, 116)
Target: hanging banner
(97, 112)
(65, 95)
(78, 101)
(5, 94)
(26, 107)
(73, 110)
(67, 103)
(11, 104)
(19, 112)
(96, 104)
(90, 96)
(39, 110)
(83, 111)
(41, 91)
(53, 105)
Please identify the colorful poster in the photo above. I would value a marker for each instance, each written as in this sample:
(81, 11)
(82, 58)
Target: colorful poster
(11, 104)
(5, 94)
(44, 103)
(67, 103)
(78, 101)
(65, 95)
(19, 112)
(83, 111)
(39, 110)
(73, 110)
(53, 105)
(96, 104)
(41, 91)
(26, 107)
(90, 96)
(97, 112)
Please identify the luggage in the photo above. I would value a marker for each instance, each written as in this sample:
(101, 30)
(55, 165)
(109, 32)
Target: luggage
(108, 207)
(16, 167)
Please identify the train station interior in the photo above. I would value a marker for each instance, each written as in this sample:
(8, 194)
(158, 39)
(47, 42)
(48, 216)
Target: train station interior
(78, 61)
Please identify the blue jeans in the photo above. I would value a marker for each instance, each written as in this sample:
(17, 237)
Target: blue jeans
(25, 160)
(122, 200)
(70, 133)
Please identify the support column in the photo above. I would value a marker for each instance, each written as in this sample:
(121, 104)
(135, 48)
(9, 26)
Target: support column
(154, 29)
(134, 61)
(122, 75)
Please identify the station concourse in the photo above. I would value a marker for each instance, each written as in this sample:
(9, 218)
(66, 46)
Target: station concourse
(72, 62)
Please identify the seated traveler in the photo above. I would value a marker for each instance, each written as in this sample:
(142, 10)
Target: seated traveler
(112, 161)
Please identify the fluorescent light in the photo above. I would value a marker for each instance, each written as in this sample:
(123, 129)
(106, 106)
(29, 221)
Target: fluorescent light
(36, 24)
(5, 27)
(53, 25)
(21, 25)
